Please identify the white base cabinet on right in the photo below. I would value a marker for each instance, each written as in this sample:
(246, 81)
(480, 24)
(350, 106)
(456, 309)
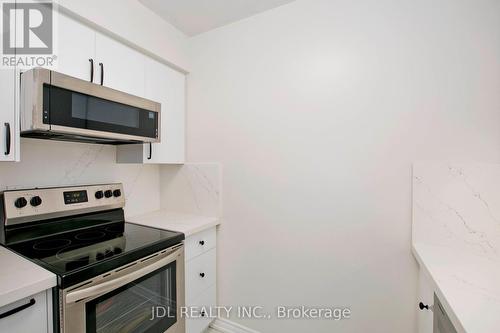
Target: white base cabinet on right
(426, 303)
(200, 277)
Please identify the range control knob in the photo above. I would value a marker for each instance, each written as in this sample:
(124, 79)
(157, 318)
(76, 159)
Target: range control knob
(108, 193)
(99, 194)
(20, 202)
(36, 201)
(117, 193)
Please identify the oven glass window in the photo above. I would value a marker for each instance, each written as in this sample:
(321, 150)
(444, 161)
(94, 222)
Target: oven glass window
(73, 109)
(147, 305)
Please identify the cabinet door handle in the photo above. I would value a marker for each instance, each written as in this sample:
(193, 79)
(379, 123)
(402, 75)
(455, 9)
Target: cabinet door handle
(422, 306)
(202, 243)
(202, 275)
(91, 70)
(102, 72)
(19, 308)
(7, 139)
(150, 151)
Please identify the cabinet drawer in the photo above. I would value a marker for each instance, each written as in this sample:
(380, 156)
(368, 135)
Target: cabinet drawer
(207, 300)
(200, 274)
(30, 319)
(200, 243)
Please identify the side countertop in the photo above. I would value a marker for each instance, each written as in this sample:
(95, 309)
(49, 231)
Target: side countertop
(466, 284)
(21, 278)
(185, 223)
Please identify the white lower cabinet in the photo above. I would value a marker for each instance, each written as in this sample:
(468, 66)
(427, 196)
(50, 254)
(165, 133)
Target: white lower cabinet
(29, 314)
(426, 297)
(207, 300)
(200, 277)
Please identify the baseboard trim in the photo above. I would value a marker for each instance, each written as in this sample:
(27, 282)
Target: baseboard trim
(227, 326)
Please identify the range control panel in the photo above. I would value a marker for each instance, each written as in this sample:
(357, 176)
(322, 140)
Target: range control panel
(22, 206)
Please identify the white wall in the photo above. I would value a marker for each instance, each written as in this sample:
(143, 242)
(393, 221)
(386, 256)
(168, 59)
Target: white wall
(317, 110)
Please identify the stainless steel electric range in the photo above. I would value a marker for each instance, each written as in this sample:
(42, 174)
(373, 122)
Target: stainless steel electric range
(110, 273)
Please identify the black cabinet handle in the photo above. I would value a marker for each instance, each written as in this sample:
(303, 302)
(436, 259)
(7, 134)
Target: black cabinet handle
(423, 306)
(102, 73)
(91, 70)
(19, 308)
(150, 151)
(203, 313)
(7, 139)
(202, 275)
(202, 242)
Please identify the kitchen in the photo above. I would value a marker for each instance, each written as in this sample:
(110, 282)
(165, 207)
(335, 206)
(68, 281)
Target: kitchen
(292, 138)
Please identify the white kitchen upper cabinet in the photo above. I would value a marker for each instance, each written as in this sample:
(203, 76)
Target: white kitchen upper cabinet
(9, 116)
(76, 46)
(122, 67)
(166, 86)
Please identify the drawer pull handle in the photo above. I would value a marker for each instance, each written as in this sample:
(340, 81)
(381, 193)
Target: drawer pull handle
(202, 275)
(423, 306)
(18, 309)
(202, 243)
(203, 313)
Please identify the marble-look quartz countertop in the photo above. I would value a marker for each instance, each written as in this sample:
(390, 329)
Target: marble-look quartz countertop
(21, 278)
(185, 223)
(467, 284)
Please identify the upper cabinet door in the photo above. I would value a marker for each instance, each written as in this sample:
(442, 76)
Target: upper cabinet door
(122, 67)
(9, 132)
(167, 86)
(76, 46)
(9, 113)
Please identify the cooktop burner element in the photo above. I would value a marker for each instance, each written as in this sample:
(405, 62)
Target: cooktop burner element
(78, 241)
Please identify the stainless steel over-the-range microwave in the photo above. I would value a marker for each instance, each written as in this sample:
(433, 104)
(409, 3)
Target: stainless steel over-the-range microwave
(60, 107)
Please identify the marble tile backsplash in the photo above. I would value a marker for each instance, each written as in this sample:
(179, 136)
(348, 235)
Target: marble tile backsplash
(193, 188)
(50, 163)
(458, 205)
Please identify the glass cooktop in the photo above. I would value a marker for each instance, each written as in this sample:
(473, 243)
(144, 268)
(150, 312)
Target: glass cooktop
(76, 252)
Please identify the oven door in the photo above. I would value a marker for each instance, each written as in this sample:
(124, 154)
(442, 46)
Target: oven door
(142, 297)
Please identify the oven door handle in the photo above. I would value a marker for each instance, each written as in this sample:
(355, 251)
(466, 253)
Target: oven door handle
(105, 287)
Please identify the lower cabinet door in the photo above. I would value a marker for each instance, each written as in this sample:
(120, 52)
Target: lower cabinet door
(26, 315)
(205, 301)
(425, 303)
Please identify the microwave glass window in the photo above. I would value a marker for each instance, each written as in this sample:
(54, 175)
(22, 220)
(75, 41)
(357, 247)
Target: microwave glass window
(73, 109)
(91, 108)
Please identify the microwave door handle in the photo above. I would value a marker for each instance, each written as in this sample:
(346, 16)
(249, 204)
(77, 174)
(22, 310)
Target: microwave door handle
(105, 287)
